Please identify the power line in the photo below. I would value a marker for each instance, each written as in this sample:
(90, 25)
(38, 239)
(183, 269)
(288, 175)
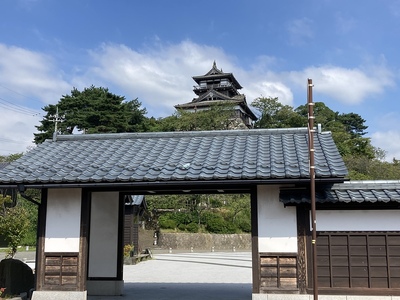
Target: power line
(17, 108)
(18, 93)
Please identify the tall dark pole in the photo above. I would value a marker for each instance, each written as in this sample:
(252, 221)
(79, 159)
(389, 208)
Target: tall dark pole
(312, 185)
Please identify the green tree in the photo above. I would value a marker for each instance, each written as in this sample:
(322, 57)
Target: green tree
(10, 157)
(347, 129)
(30, 237)
(18, 217)
(353, 123)
(365, 168)
(93, 110)
(13, 223)
(273, 114)
(219, 116)
(222, 213)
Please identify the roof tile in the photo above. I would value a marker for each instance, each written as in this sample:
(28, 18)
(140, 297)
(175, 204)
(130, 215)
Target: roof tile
(348, 192)
(178, 156)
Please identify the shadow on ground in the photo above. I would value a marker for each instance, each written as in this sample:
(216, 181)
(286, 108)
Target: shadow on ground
(180, 291)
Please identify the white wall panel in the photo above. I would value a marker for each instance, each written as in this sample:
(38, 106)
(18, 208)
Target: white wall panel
(358, 220)
(277, 226)
(103, 241)
(63, 220)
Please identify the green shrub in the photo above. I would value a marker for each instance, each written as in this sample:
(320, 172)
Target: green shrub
(245, 225)
(217, 224)
(29, 239)
(166, 222)
(181, 217)
(182, 227)
(128, 249)
(192, 227)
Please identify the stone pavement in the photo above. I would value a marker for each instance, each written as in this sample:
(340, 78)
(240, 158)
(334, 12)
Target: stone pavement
(194, 276)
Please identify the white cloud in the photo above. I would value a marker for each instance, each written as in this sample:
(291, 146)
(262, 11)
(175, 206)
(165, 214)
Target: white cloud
(16, 134)
(351, 86)
(28, 81)
(388, 141)
(161, 76)
(385, 134)
(32, 74)
(261, 88)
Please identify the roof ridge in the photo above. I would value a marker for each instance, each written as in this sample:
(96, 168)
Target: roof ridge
(367, 184)
(178, 134)
(380, 181)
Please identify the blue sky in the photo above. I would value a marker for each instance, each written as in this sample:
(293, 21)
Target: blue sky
(150, 50)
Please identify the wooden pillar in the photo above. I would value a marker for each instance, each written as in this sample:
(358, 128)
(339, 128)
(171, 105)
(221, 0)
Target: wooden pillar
(254, 242)
(39, 270)
(302, 233)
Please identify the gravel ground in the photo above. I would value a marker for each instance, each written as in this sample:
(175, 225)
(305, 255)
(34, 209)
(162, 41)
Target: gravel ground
(191, 276)
(194, 276)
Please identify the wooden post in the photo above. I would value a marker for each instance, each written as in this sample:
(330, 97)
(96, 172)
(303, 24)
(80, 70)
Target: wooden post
(311, 132)
(254, 242)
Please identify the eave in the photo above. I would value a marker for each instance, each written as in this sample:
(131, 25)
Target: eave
(176, 187)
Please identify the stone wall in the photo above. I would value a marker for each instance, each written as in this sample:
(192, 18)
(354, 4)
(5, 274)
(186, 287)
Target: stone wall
(205, 241)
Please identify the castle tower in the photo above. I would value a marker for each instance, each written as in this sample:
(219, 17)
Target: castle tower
(215, 87)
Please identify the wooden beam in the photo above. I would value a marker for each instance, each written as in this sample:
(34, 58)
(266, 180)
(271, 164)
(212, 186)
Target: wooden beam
(254, 242)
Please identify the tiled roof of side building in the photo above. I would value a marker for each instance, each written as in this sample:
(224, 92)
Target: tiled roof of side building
(261, 154)
(374, 191)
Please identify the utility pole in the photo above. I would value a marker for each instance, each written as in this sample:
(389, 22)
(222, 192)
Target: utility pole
(56, 118)
(311, 132)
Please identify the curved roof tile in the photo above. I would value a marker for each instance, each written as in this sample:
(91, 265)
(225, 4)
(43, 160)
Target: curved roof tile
(378, 191)
(176, 156)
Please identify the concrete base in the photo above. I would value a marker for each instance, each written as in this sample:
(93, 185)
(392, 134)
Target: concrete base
(105, 287)
(59, 295)
(320, 297)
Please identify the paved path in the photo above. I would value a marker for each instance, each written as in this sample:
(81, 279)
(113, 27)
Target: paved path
(191, 276)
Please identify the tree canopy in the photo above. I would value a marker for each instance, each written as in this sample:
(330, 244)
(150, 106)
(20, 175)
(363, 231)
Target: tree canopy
(219, 116)
(347, 128)
(10, 157)
(222, 213)
(14, 223)
(18, 218)
(273, 114)
(93, 110)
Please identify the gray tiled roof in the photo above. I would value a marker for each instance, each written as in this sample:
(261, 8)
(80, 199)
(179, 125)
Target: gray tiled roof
(176, 156)
(3, 164)
(135, 199)
(348, 192)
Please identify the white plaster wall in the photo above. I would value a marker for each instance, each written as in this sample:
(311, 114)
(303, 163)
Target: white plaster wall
(103, 237)
(277, 225)
(63, 220)
(358, 220)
